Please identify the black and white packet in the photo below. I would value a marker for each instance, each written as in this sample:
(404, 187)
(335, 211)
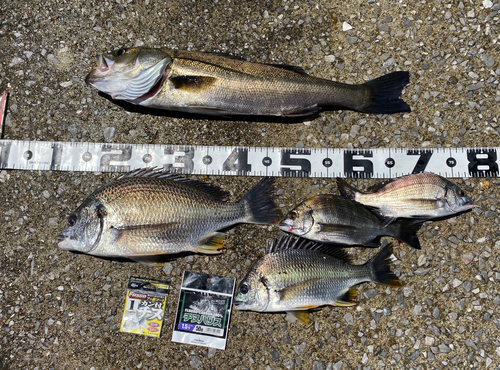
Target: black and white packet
(204, 310)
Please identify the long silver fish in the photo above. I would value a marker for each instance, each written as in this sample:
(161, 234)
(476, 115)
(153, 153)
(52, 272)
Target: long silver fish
(331, 218)
(217, 84)
(296, 275)
(148, 212)
(423, 196)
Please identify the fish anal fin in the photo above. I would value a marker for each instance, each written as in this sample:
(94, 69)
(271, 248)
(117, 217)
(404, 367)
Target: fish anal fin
(193, 84)
(301, 111)
(350, 298)
(293, 291)
(303, 316)
(212, 244)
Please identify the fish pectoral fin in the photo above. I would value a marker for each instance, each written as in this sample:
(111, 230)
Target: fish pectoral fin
(293, 291)
(335, 228)
(212, 244)
(193, 84)
(308, 307)
(350, 298)
(303, 316)
(131, 239)
(301, 111)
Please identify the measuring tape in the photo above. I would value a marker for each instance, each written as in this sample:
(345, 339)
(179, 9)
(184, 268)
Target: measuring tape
(248, 161)
(245, 161)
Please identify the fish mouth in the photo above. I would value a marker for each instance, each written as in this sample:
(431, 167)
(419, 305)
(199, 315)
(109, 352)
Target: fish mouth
(285, 227)
(133, 85)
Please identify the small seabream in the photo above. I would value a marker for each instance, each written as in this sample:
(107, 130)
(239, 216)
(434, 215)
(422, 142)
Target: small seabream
(296, 275)
(329, 218)
(217, 84)
(423, 196)
(148, 212)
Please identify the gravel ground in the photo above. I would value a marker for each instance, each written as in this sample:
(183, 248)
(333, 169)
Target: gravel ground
(60, 310)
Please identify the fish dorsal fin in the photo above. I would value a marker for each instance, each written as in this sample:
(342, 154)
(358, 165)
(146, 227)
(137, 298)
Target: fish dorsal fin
(291, 242)
(350, 298)
(288, 67)
(192, 84)
(158, 173)
(376, 187)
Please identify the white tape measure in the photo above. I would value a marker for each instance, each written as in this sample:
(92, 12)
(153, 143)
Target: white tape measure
(248, 161)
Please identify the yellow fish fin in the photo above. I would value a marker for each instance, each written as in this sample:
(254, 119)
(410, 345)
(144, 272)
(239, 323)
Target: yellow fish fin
(212, 244)
(293, 291)
(350, 298)
(307, 307)
(303, 316)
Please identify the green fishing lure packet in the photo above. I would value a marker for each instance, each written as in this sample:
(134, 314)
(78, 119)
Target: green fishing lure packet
(145, 306)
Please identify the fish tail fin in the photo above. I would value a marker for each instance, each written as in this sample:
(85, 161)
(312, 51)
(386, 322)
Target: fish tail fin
(259, 205)
(381, 269)
(384, 93)
(406, 231)
(346, 190)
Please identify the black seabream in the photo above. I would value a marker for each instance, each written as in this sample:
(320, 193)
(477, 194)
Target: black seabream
(148, 212)
(333, 219)
(296, 275)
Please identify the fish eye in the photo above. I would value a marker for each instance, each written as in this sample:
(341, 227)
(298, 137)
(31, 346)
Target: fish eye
(461, 193)
(71, 220)
(244, 289)
(293, 215)
(120, 52)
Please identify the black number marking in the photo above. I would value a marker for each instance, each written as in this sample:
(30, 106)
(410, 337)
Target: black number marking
(451, 162)
(484, 158)
(425, 156)
(183, 155)
(287, 160)
(4, 154)
(106, 159)
(267, 161)
(207, 160)
(55, 163)
(327, 162)
(390, 162)
(237, 161)
(365, 164)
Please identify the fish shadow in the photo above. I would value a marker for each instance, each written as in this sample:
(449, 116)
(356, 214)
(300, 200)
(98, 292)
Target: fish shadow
(147, 260)
(133, 108)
